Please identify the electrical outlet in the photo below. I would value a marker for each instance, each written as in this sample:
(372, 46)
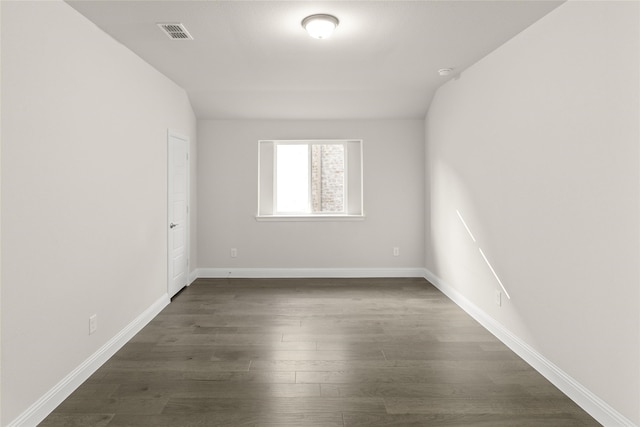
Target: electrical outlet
(396, 251)
(234, 252)
(93, 324)
(498, 298)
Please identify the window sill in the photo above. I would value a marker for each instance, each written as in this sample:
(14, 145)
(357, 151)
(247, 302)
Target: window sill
(310, 217)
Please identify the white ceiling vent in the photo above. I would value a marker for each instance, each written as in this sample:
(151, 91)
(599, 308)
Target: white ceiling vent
(175, 31)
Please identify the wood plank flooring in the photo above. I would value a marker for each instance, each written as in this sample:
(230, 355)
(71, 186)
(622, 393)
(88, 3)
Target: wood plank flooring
(315, 352)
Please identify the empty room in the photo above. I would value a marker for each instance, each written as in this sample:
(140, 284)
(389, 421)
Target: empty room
(305, 213)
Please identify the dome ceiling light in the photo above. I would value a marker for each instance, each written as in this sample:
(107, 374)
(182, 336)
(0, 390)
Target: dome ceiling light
(320, 26)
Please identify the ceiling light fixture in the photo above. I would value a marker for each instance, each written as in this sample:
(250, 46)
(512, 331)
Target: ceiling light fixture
(445, 71)
(320, 26)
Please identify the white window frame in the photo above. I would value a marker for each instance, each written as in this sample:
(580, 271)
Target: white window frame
(353, 182)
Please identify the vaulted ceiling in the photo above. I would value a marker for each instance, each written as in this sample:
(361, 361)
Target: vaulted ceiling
(253, 59)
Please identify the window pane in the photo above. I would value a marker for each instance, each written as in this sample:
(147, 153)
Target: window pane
(327, 178)
(312, 178)
(292, 178)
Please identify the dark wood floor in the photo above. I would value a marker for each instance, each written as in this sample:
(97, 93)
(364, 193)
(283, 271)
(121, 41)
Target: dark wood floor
(315, 352)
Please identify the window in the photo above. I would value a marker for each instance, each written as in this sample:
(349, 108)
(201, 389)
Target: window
(310, 179)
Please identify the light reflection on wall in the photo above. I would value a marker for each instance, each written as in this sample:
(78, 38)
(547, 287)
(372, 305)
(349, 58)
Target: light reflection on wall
(482, 253)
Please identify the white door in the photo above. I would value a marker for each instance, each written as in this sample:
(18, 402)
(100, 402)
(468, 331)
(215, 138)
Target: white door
(178, 198)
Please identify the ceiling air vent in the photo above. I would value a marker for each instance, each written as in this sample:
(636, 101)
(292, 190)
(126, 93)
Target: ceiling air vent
(175, 31)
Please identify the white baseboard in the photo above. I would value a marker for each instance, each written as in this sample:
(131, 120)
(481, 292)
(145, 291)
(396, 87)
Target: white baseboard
(49, 401)
(276, 273)
(587, 400)
(193, 275)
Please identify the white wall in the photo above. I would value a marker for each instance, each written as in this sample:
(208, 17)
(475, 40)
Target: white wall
(537, 146)
(0, 219)
(84, 158)
(393, 199)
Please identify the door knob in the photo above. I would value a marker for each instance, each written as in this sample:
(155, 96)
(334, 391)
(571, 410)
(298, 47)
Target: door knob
(172, 225)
